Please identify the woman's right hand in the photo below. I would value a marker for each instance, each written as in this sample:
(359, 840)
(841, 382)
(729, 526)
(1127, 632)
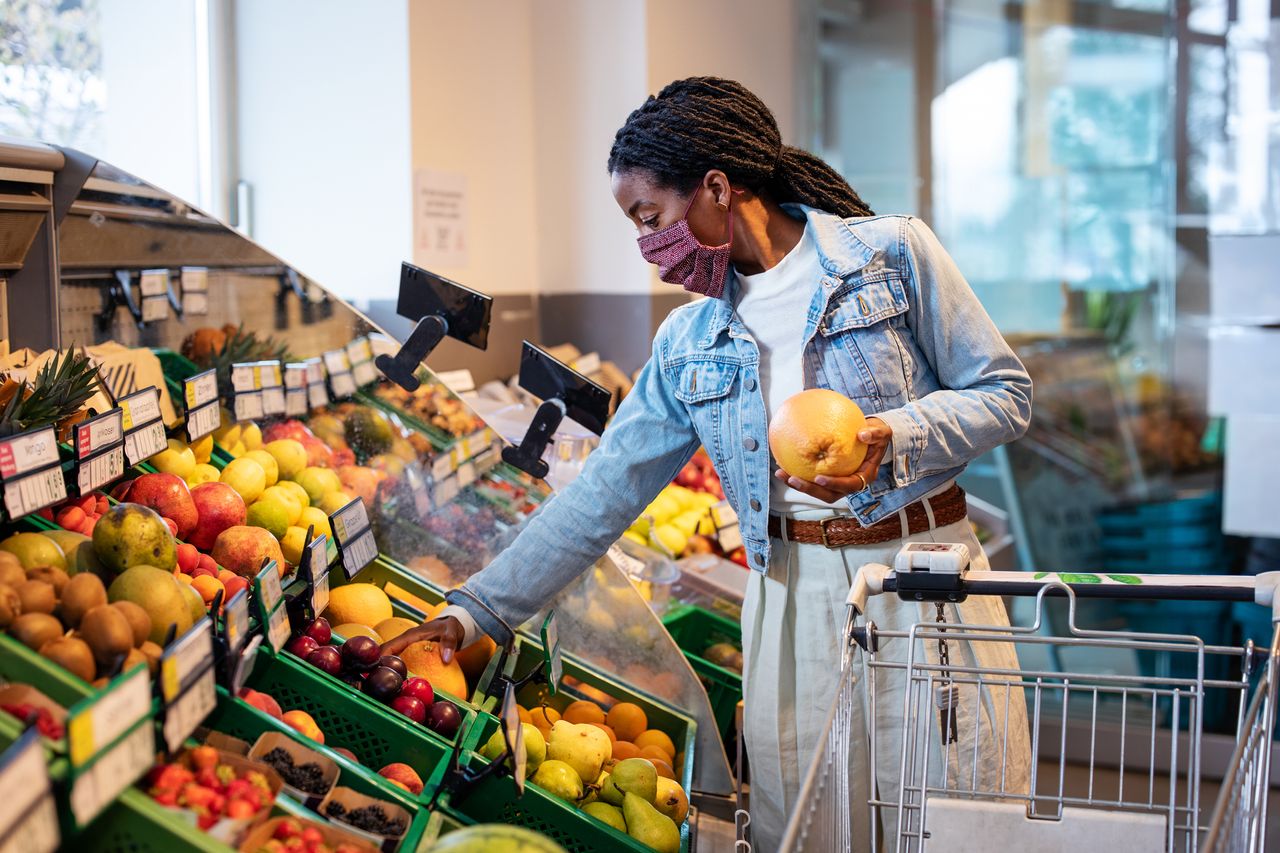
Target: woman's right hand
(446, 631)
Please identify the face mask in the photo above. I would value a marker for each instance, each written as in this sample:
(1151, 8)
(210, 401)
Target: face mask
(682, 260)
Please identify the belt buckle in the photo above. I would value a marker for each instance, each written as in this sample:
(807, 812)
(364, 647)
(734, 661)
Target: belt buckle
(822, 526)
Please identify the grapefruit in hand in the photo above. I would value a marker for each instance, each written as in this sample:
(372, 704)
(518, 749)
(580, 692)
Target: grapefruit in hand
(815, 433)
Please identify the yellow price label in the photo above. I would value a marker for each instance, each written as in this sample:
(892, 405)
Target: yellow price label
(191, 397)
(80, 738)
(257, 376)
(169, 682)
(126, 416)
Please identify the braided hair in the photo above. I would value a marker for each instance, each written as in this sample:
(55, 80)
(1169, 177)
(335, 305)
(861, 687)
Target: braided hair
(702, 123)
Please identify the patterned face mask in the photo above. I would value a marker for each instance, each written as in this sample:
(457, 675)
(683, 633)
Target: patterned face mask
(682, 260)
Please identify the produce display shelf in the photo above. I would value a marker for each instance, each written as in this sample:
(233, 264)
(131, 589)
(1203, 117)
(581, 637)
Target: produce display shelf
(440, 440)
(694, 629)
(135, 823)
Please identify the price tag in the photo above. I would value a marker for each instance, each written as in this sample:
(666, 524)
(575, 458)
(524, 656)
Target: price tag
(354, 537)
(245, 377)
(295, 394)
(342, 385)
(466, 474)
(93, 723)
(200, 398)
(28, 816)
(587, 364)
(728, 533)
(317, 397)
(154, 287)
(629, 565)
(364, 373)
(28, 451)
(195, 304)
(551, 653)
(443, 465)
(98, 786)
(267, 587)
(418, 489)
(457, 381)
(278, 628)
(359, 350)
(273, 393)
(272, 614)
(317, 559)
(445, 491)
(249, 406)
(155, 308)
(25, 495)
(184, 658)
(184, 715)
(143, 430)
(336, 361)
(514, 735)
(722, 515)
(99, 444)
(235, 624)
(273, 401)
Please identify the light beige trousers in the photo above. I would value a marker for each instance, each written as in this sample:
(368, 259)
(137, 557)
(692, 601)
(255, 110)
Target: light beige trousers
(793, 620)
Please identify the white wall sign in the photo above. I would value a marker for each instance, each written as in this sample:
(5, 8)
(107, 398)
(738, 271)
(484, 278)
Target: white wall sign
(439, 219)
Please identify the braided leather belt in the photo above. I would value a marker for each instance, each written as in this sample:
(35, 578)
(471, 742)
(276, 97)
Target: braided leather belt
(841, 531)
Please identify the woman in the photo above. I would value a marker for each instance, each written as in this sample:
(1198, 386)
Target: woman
(806, 288)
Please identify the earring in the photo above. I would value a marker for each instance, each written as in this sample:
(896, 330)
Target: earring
(722, 205)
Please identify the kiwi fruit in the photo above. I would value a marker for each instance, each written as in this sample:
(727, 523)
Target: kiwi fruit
(81, 594)
(33, 630)
(51, 575)
(134, 658)
(108, 634)
(10, 605)
(73, 655)
(11, 572)
(101, 683)
(37, 597)
(139, 620)
(152, 652)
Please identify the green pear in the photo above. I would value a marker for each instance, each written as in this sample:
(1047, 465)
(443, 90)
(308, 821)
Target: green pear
(633, 775)
(649, 826)
(559, 779)
(535, 747)
(606, 813)
(583, 747)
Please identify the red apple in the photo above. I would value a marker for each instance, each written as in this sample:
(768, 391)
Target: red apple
(241, 549)
(168, 495)
(219, 507)
(411, 706)
(291, 428)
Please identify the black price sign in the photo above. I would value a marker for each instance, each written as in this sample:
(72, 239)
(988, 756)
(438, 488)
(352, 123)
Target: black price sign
(31, 472)
(354, 537)
(316, 557)
(99, 444)
(200, 393)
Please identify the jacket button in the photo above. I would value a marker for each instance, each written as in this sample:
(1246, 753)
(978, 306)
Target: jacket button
(750, 443)
(750, 384)
(759, 559)
(755, 505)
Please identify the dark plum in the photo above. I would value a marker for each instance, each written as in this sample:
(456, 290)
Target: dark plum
(394, 663)
(327, 659)
(319, 631)
(443, 718)
(360, 652)
(411, 706)
(383, 684)
(302, 646)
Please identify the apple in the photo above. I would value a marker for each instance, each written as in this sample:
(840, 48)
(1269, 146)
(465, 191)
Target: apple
(419, 688)
(404, 775)
(411, 706)
(168, 495)
(241, 549)
(220, 507)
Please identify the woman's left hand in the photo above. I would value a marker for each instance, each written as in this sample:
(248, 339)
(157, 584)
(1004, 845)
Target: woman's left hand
(876, 435)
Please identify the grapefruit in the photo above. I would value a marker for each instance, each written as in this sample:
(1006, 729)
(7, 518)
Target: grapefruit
(362, 603)
(423, 660)
(495, 838)
(815, 433)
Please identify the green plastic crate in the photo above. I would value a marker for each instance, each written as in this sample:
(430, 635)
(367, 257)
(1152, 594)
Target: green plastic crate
(694, 629)
(20, 665)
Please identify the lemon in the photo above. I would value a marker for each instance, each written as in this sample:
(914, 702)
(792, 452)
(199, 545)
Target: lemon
(286, 498)
(668, 539)
(291, 544)
(251, 436)
(334, 501)
(318, 482)
(271, 516)
(246, 477)
(203, 473)
(297, 491)
(176, 459)
(268, 463)
(312, 516)
(202, 448)
(290, 456)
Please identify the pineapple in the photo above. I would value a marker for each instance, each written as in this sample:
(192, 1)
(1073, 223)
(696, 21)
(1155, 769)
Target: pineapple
(55, 398)
(241, 346)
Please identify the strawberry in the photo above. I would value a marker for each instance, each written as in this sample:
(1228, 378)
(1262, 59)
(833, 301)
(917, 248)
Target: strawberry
(312, 835)
(204, 757)
(238, 809)
(206, 821)
(287, 828)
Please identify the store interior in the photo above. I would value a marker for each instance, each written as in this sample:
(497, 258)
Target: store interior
(229, 231)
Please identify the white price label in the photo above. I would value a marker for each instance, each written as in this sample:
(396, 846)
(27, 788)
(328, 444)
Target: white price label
(336, 361)
(342, 385)
(318, 567)
(154, 283)
(273, 401)
(98, 471)
(24, 495)
(722, 515)
(358, 553)
(269, 591)
(245, 377)
(236, 620)
(466, 474)
(315, 371)
(28, 816)
(195, 279)
(729, 537)
(200, 390)
(105, 717)
(457, 381)
(248, 406)
(295, 377)
(349, 521)
(443, 465)
(202, 421)
(28, 451)
(155, 308)
(99, 786)
(99, 433)
(140, 408)
(270, 374)
(359, 350)
(185, 714)
(185, 657)
(588, 364)
(364, 373)
(278, 628)
(418, 488)
(446, 490)
(145, 442)
(295, 402)
(316, 396)
(195, 304)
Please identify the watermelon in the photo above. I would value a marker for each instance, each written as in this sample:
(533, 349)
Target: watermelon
(495, 838)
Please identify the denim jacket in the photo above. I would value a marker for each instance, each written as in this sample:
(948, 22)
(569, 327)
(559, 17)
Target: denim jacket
(892, 324)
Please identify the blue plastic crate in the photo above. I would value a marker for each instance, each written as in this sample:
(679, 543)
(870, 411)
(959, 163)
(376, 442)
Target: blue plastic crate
(1204, 506)
(1158, 561)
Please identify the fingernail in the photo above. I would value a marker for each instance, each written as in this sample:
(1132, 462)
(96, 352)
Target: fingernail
(821, 481)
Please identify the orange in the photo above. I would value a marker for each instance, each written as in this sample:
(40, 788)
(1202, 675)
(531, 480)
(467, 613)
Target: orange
(664, 769)
(544, 717)
(654, 754)
(583, 711)
(208, 587)
(815, 433)
(602, 727)
(625, 749)
(627, 720)
(524, 715)
(653, 737)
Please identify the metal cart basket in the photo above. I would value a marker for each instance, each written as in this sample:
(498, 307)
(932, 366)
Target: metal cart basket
(1115, 755)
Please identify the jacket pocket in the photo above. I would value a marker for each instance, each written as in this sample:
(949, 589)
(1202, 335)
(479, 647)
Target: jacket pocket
(702, 380)
(862, 349)
(867, 304)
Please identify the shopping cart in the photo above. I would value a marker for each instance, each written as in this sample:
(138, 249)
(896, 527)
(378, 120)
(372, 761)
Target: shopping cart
(1114, 756)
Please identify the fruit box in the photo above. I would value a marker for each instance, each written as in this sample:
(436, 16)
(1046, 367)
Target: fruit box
(333, 836)
(25, 694)
(228, 830)
(694, 630)
(351, 800)
(300, 754)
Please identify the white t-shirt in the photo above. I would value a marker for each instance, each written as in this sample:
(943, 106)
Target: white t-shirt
(773, 306)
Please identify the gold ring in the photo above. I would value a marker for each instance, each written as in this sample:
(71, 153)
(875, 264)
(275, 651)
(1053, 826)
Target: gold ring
(863, 479)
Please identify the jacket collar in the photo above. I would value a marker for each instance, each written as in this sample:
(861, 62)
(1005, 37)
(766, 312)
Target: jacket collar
(839, 250)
